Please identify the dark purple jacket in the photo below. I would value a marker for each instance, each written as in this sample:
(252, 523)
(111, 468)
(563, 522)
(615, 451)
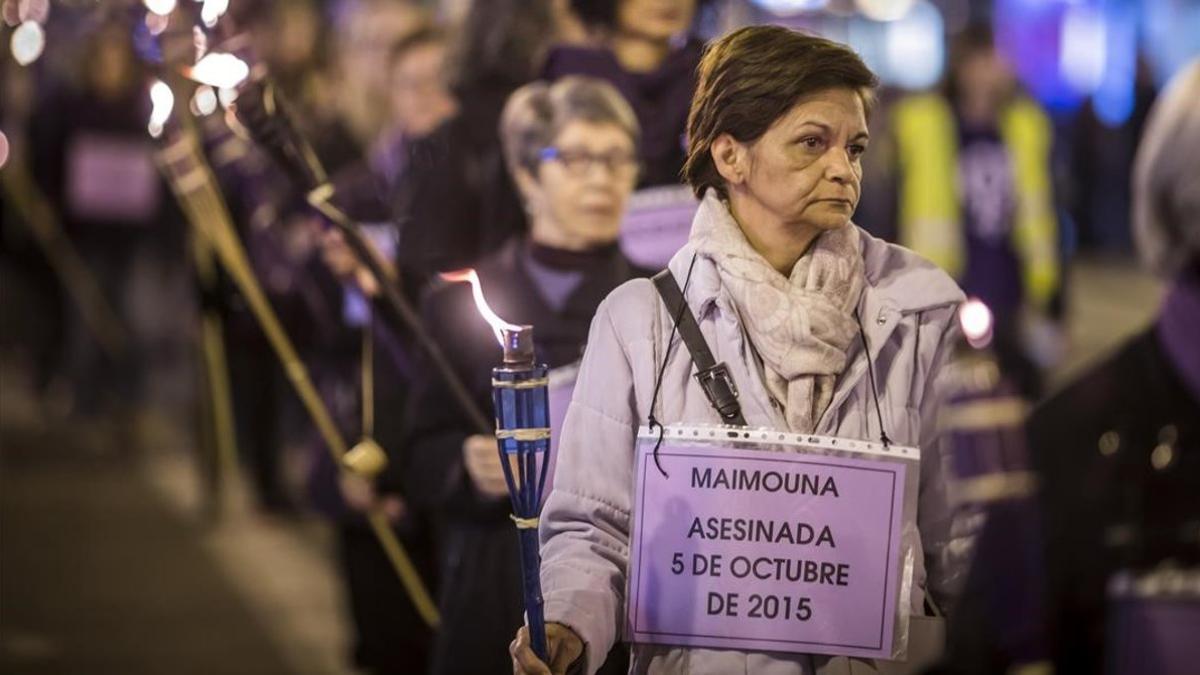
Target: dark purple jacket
(660, 99)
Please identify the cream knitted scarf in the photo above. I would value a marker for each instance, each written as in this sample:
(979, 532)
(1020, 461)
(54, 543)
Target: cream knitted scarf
(802, 325)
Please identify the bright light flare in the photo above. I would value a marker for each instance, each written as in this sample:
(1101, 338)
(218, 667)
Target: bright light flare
(3, 149)
(220, 70)
(976, 321)
(790, 7)
(212, 10)
(227, 96)
(1083, 48)
(884, 10)
(914, 47)
(163, 102)
(204, 102)
(160, 7)
(498, 325)
(28, 41)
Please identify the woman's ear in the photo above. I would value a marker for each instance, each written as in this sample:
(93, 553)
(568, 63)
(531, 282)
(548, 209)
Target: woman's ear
(730, 157)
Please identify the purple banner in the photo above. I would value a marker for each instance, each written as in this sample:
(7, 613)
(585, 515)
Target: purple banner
(765, 551)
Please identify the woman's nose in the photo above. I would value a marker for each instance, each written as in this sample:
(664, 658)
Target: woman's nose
(838, 166)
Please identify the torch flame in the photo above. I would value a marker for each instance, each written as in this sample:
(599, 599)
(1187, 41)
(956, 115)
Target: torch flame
(498, 325)
(212, 10)
(220, 70)
(163, 101)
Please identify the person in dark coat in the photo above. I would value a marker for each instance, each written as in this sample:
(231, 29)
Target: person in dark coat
(363, 365)
(93, 160)
(645, 50)
(1118, 458)
(571, 147)
(457, 201)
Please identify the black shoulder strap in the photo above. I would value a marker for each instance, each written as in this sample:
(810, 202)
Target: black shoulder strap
(714, 378)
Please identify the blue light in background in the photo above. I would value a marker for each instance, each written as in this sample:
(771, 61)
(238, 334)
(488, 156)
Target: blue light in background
(789, 7)
(1113, 100)
(1172, 35)
(1028, 34)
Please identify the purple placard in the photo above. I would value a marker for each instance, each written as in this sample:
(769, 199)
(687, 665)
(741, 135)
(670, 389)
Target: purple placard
(657, 222)
(823, 530)
(112, 178)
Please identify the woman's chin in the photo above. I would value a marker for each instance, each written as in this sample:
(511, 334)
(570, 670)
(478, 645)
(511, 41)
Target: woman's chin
(825, 221)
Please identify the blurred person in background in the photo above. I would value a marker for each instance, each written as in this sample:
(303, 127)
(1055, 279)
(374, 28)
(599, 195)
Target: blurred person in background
(1117, 454)
(572, 148)
(1100, 169)
(364, 371)
(974, 192)
(315, 62)
(366, 33)
(646, 49)
(92, 158)
(31, 348)
(457, 201)
(419, 100)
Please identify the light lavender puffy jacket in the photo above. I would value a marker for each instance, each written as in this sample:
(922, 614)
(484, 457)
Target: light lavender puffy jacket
(907, 310)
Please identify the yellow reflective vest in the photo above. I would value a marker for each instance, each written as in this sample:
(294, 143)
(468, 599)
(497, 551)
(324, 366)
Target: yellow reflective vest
(930, 212)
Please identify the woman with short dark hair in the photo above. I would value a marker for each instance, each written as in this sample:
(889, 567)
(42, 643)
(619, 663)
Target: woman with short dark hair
(822, 328)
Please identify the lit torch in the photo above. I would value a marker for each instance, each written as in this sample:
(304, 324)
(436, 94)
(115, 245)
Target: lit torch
(519, 393)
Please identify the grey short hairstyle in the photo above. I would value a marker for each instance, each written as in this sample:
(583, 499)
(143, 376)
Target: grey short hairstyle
(1166, 179)
(536, 113)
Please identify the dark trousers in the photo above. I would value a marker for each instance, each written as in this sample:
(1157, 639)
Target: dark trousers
(389, 636)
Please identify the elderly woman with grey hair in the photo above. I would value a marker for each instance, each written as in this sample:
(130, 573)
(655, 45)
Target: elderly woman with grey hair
(1118, 455)
(571, 147)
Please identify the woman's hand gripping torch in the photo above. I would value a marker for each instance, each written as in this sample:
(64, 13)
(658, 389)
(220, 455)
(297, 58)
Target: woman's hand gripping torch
(519, 393)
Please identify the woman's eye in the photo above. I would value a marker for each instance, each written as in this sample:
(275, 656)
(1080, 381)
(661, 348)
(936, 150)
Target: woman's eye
(811, 142)
(857, 150)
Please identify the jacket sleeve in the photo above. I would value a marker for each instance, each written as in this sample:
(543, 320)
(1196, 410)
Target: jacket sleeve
(945, 537)
(585, 522)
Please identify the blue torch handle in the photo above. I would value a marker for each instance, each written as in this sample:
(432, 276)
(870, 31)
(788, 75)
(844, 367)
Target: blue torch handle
(532, 585)
(522, 427)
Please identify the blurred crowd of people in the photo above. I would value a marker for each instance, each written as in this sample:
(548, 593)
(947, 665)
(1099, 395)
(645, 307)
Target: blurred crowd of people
(504, 135)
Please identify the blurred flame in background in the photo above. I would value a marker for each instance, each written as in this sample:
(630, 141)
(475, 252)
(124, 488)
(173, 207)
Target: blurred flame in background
(163, 102)
(204, 102)
(221, 70)
(160, 7)
(212, 10)
(28, 41)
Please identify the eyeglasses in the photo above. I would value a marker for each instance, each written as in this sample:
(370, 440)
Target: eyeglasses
(620, 164)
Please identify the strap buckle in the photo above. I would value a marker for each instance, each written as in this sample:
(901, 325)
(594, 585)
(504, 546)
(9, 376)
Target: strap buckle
(721, 390)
